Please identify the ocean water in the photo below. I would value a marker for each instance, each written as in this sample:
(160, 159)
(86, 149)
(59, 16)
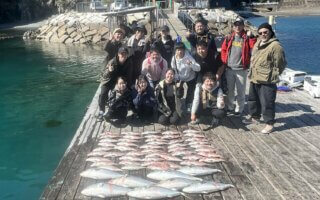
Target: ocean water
(300, 39)
(44, 91)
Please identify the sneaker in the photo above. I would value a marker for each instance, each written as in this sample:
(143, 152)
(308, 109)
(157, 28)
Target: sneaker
(195, 122)
(214, 122)
(267, 129)
(250, 120)
(237, 114)
(100, 116)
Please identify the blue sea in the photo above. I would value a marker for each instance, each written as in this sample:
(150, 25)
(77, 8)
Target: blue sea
(45, 89)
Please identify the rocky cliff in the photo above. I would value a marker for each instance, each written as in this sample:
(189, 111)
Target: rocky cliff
(29, 10)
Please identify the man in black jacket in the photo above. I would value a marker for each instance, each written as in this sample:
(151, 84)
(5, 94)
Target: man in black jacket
(121, 65)
(165, 44)
(112, 46)
(201, 33)
(209, 63)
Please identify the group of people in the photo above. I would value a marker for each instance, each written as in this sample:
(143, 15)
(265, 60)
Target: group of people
(160, 77)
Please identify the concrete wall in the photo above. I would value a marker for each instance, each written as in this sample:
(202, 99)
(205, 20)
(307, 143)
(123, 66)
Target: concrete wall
(299, 3)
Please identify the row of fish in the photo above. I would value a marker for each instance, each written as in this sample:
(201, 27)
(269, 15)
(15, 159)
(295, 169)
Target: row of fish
(176, 159)
(164, 189)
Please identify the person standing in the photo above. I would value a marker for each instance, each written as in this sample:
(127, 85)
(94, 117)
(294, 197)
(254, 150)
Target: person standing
(112, 46)
(165, 44)
(267, 63)
(201, 33)
(235, 55)
(120, 65)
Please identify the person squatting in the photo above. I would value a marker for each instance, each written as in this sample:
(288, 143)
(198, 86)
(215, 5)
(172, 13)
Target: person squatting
(161, 80)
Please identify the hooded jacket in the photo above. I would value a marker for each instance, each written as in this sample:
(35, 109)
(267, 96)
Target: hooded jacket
(185, 67)
(267, 62)
(247, 46)
(155, 71)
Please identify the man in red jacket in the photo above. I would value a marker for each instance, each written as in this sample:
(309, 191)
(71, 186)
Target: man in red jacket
(235, 55)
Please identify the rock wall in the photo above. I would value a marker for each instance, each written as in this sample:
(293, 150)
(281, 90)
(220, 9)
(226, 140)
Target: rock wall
(89, 28)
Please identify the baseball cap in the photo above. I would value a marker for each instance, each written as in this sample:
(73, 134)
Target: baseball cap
(123, 50)
(165, 28)
(238, 21)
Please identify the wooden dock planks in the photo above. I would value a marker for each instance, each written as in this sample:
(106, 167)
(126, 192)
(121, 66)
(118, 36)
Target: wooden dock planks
(282, 165)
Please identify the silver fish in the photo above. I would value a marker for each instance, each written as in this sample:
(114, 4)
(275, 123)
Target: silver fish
(150, 132)
(113, 154)
(192, 163)
(206, 187)
(97, 154)
(111, 140)
(176, 183)
(131, 181)
(132, 167)
(135, 153)
(109, 167)
(171, 133)
(106, 144)
(198, 171)
(100, 174)
(165, 175)
(98, 159)
(153, 192)
(131, 133)
(124, 148)
(130, 158)
(105, 190)
(191, 131)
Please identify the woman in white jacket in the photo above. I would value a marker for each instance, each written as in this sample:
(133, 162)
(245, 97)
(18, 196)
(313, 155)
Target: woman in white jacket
(186, 69)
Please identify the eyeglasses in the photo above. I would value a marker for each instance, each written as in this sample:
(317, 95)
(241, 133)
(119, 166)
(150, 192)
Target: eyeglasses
(263, 33)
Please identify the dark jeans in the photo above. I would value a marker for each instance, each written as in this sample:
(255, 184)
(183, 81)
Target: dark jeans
(119, 113)
(144, 112)
(172, 119)
(103, 97)
(214, 112)
(190, 92)
(261, 100)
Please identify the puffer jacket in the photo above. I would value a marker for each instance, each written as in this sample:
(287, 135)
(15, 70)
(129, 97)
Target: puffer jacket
(248, 44)
(267, 62)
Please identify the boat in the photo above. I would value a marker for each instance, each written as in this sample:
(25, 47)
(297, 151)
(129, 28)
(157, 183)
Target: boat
(292, 77)
(312, 85)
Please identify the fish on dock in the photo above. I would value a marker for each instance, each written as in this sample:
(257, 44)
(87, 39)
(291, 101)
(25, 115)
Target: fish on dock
(131, 181)
(206, 187)
(153, 192)
(100, 174)
(98, 159)
(198, 171)
(176, 183)
(165, 175)
(105, 190)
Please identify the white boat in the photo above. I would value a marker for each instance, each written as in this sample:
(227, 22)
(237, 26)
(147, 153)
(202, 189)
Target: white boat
(312, 85)
(291, 76)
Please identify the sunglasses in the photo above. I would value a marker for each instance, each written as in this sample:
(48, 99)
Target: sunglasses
(263, 33)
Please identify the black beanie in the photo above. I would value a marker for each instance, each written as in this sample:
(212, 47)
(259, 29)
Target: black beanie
(267, 26)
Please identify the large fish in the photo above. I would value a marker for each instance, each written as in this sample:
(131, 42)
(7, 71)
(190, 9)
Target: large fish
(109, 167)
(198, 171)
(131, 181)
(206, 187)
(153, 192)
(105, 190)
(191, 131)
(165, 175)
(98, 159)
(150, 132)
(100, 174)
(176, 183)
(131, 133)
